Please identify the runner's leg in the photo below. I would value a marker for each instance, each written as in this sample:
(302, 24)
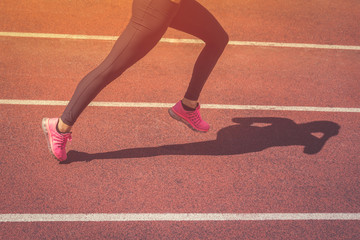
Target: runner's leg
(149, 21)
(194, 19)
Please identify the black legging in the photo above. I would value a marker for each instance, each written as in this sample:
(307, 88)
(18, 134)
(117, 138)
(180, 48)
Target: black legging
(149, 21)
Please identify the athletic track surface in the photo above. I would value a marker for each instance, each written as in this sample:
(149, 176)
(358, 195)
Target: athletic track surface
(280, 162)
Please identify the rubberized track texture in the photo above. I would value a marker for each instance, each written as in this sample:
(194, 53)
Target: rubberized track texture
(281, 160)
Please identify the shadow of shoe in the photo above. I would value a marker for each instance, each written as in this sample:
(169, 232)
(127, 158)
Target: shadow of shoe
(75, 156)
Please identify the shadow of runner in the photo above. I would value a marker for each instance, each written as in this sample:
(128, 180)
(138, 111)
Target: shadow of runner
(244, 137)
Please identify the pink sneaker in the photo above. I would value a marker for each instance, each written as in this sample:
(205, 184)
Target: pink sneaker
(191, 118)
(56, 141)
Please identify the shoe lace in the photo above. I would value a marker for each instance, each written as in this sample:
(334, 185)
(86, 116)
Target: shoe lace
(194, 117)
(61, 140)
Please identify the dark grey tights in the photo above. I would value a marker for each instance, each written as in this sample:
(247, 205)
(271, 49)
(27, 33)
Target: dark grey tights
(149, 21)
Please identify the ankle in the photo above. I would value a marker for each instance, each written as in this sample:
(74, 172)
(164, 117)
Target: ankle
(61, 127)
(189, 104)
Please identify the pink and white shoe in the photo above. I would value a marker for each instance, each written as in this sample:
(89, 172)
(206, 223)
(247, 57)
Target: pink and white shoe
(56, 141)
(191, 118)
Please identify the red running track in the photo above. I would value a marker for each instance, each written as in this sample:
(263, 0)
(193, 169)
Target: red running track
(123, 164)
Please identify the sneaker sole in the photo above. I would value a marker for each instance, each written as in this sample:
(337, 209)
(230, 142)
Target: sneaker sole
(46, 132)
(180, 119)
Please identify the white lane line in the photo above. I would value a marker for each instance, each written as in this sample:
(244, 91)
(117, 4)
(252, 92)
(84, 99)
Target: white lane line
(295, 45)
(172, 40)
(57, 36)
(167, 105)
(126, 217)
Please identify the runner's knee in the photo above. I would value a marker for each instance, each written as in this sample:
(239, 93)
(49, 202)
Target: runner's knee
(219, 40)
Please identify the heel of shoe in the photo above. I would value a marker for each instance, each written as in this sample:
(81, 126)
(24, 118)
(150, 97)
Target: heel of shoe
(46, 133)
(43, 124)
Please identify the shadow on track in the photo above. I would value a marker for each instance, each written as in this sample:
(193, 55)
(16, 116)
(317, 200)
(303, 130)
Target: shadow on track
(248, 135)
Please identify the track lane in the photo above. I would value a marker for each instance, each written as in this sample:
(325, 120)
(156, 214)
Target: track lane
(187, 230)
(51, 69)
(130, 173)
